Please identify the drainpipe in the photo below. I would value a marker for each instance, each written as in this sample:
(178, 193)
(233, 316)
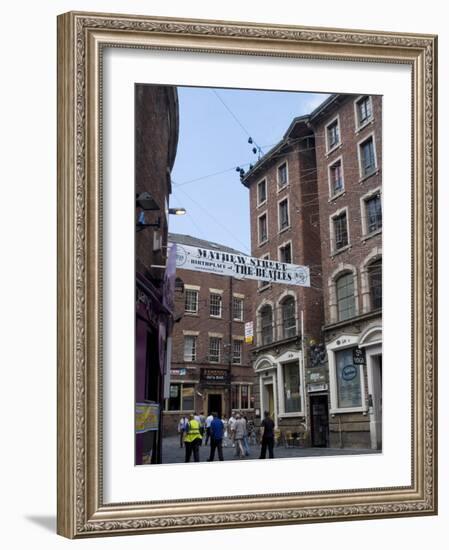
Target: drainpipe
(303, 371)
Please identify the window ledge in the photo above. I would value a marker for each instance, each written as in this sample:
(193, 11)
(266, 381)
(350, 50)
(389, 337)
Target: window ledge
(349, 410)
(216, 316)
(370, 175)
(334, 148)
(341, 250)
(263, 203)
(284, 229)
(368, 122)
(371, 235)
(284, 187)
(337, 195)
(292, 415)
(262, 243)
(264, 288)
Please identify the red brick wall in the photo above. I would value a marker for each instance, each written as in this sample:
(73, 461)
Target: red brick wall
(354, 186)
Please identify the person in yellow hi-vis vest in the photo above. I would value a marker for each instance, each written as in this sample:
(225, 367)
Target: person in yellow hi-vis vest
(193, 439)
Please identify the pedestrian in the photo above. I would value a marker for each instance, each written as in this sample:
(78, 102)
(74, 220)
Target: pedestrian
(209, 420)
(267, 428)
(202, 420)
(225, 436)
(231, 427)
(239, 432)
(182, 426)
(246, 437)
(192, 439)
(216, 437)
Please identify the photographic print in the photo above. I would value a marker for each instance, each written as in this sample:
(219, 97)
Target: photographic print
(258, 254)
(225, 294)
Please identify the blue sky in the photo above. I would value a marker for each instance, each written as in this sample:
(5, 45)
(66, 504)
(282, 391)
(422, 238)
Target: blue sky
(213, 140)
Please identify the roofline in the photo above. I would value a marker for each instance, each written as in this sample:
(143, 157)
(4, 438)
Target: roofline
(315, 114)
(172, 237)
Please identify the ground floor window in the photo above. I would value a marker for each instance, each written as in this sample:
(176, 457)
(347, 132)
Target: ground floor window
(181, 397)
(241, 397)
(349, 387)
(292, 393)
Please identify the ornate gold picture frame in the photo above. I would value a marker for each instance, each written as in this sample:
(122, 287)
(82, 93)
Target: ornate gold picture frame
(82, 40)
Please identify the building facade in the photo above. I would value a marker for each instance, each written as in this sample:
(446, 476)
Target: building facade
(211, 363)
(316, 200)
(284, 213)
(348, 140)
(156, 137)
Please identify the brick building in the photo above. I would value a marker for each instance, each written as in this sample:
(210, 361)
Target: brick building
(211, 364)
(285, 227)
(348, 141)
(156, 138)
(315, 200)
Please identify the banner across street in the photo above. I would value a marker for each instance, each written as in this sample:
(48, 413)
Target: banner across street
(240, 266)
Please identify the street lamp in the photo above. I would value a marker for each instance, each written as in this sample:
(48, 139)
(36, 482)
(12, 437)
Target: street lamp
(177, 211)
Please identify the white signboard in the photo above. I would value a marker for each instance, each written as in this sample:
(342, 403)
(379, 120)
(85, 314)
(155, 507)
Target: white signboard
(249, 332)
(240, 266)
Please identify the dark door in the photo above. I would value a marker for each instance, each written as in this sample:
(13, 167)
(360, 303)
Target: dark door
(215, 403)
(320, 420)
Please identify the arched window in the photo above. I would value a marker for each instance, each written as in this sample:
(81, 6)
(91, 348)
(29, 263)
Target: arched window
(266, 323)
(288, 317)
(345, 296)
(375, 283)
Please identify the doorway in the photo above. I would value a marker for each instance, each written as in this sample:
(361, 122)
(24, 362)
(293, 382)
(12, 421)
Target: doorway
(376, 401)
(268, 400)
(214, 403)
(320, 420)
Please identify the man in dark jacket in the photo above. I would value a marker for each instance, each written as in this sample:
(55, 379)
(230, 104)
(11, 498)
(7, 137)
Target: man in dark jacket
(267, 436)
(216, 437)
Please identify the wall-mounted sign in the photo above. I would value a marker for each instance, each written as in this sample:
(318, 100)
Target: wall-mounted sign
(214, 375)
(316, 387)
(358, 356)
(249, 332)
(178, 372)
(240, 266)
(147, 417)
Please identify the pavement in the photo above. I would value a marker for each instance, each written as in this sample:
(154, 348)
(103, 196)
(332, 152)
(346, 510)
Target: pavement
(173, 453)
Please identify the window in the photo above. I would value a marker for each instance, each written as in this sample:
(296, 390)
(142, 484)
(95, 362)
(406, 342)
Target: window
(237, 308)
(244, 394)
(241, 397)
(283, 215)
(288, 317)
(285, 253)
(375, 284)
(190, 345)
(367, 157)
(333, 135)
(264, 284)
(364, 110)
(237, 352)
(373, 209)
(336, 178)
(266, 323)
(263, 230)
(214, 349)
(340, 230)
(191, 301)
(292, 395)
(345, 297)
(349, 391)
(181, 397)
(282, 175)
(261, 192)
(187, 397)
(215, 305)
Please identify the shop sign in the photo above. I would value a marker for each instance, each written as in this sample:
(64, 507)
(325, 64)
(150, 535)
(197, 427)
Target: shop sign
(215, 375)
(240, 266)
(249, 332)
(178, 372)
(358, 356)
(317, 387)
(147, 417)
